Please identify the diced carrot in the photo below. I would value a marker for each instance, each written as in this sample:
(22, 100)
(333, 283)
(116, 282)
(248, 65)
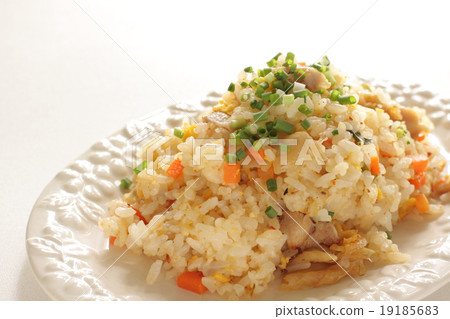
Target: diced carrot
(419, 162)
(421, 137)
(419, 180)
(302, 63)
(139, 214)
(422, 203)
(192, 281)
(265, 175)
(112, 239)
(375, 165)
(232, 173)
(327, 143)
(384, 154)
(175, 169)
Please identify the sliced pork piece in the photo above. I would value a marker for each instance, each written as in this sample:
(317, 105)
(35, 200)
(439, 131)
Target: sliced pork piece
(300, 228)
(324, 234)
(219, 119)
(315, 80)
(296, 228)
(416, 121)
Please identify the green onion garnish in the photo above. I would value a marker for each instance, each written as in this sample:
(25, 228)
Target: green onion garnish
(256, 104)
(248, 69)
(271, 212)
(230, 158)
(272, 63)
(335, 132)
(305, 124)
(283, 126)
(330, 77)
(389, 236)
(292, 68)
(401, 132)
(288, 99)
(125, 183)
(258, 144)
(281, 75)
(269, 125)
(253, 84)
(231, 87)
(259, 91)
(260, 116)
(275, 99)
(266, 96)
(235, 124)
(277, 56)
(278, 85)
(262, 131)
(273, 133)
(325, 61)
(271, 184)
(305, 109)
(300, 74)
(335, 95)
(319, 91)
(178, 132)
(327, 117)
(140, 167)
(270, 77)
(265, 85)
(359, 138)
(290, 56)
(331, 214)
(244, 85)
(284, 147)
(350, 99)
(319, 67)
(241, 154)
(301, 93)
(242, 134)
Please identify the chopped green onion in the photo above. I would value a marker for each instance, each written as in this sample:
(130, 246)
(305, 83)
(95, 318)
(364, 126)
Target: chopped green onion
(389, 236)
(319, 91)
(301, 93)
(270, 77)
(244, 85)
(292, 68)
(271, 184)
(290, 56)
(231, 87)
(241, 154)
(235, 124)
(350, 99)
(272, 63)
(273, 133)
(245, 97)
(265, 85)
(253, 84)
(283, 126)
(266, 71)
(359, 138)
(257, 145)
(140, 167)
(125, 183)
(288, 99)
(305, 124)
(300, 74)
(305, 109)
(262, 131)
(275, 99)
(251, 129)
(335, 132)
(178, 132)
(401, 132)
(248, 69)
(259, 91)
(325, 61)
(277, 56)
(319, 67)
(260, 116)
(330, 77)
(269, 125)
(287, 86)
(266, 96)
(327, 117)
(230, 158)
(278, 85)
(281, 75)
(335, 95)
(256, 104)
(242, 134)
(271, 212)
(331, 214)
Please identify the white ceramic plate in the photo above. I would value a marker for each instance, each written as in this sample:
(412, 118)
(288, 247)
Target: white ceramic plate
(71, 259)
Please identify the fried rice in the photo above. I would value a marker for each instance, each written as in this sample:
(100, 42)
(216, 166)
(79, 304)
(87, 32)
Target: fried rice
(294, 173)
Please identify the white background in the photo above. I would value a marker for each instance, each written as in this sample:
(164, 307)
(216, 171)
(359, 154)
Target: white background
(64, 83)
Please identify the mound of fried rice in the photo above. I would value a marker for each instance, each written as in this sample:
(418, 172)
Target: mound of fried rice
(333, 218)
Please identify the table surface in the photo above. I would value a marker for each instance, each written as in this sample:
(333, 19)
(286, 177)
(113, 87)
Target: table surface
(73, 72)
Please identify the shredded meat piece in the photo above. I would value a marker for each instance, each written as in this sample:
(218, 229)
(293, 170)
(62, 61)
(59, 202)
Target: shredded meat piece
(218, 118)
(315, 80)
(416, 121)
(302, 228)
